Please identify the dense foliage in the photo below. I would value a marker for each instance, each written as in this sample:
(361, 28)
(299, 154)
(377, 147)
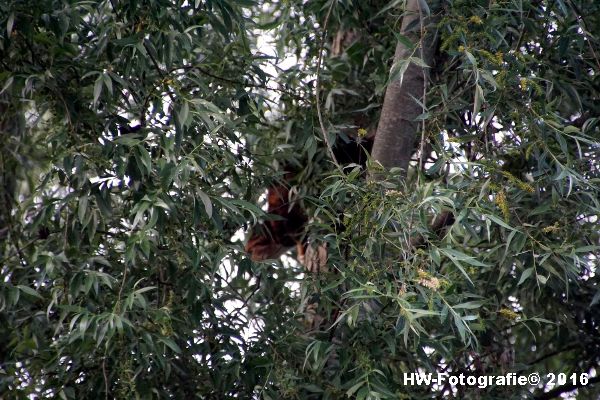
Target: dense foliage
(138, 138)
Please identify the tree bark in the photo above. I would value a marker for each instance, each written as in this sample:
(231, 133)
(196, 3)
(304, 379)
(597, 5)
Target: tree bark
(397, 130)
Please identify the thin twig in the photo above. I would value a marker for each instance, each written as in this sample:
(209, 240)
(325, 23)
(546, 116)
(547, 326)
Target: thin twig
(423, 101)
(105, 373)
(160, 71)
(583, 25)
(251, 295)
(318, 83)
(239, 83)
(117, 308)
(557, 391)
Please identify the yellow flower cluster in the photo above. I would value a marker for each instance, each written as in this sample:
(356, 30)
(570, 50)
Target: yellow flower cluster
(394, 193)
(502, 203)
(431, 282)
(497, 58)
(552, 228)
(508, 314)
(519, 183)
(475, 19)
(523, 83)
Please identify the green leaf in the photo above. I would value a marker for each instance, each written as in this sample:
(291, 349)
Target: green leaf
(479, 100)
(10, 23)
(424, 8)
(398, 70)
(499, 222)
(206, 201)
(82, 208)
(183, 114)
(7, 84)
(29, 291)
(170, 343)
(470, 305)
(129, 139)
(108, 83)
(526, 274)
(354, 388)
(97, 89)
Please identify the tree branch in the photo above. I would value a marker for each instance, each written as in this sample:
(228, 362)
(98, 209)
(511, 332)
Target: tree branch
(557, 391)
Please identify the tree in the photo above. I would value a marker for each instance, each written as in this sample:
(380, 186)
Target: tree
(139, 137)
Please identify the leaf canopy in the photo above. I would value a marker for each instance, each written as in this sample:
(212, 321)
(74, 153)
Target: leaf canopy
(138, 138)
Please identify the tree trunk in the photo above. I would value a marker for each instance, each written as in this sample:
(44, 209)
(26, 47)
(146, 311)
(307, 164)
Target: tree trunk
(397, 130)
